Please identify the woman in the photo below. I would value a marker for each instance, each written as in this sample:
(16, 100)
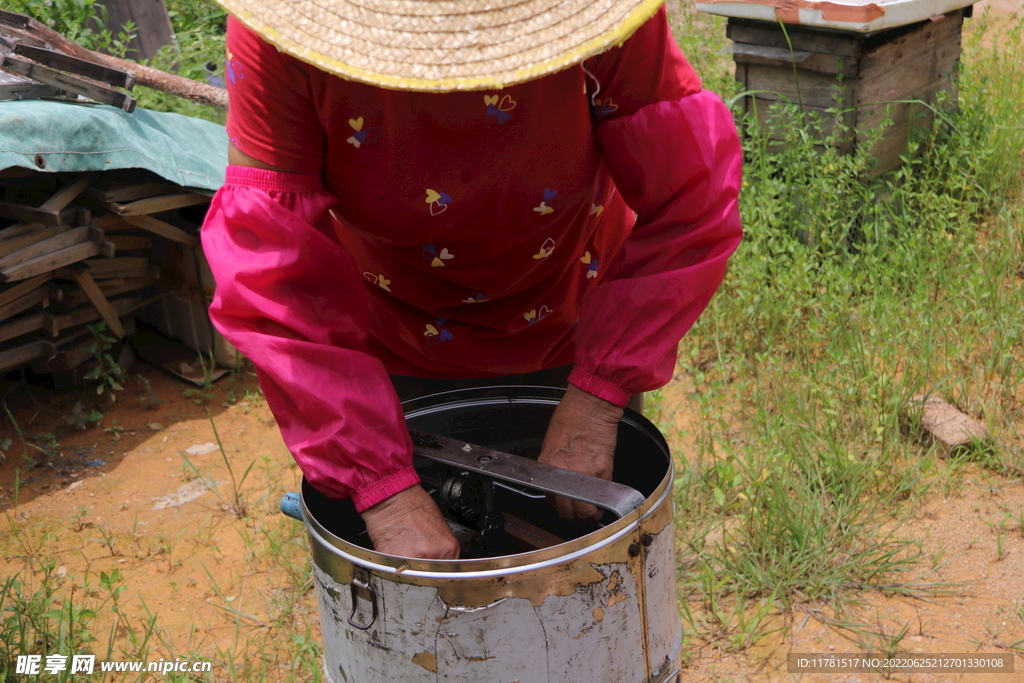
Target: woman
(459, 190)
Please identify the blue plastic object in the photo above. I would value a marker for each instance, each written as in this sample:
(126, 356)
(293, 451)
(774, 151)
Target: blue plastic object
(291, 505)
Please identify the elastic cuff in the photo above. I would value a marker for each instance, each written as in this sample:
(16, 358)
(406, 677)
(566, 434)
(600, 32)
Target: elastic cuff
(597, 386)
(385, 488)
(273, 181)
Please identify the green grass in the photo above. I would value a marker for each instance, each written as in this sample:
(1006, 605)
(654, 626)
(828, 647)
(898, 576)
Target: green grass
(848, 297)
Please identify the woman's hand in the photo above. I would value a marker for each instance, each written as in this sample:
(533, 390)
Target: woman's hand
(409, 524)
(581, 437)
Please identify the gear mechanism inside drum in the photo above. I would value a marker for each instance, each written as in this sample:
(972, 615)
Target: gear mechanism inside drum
(496, 519)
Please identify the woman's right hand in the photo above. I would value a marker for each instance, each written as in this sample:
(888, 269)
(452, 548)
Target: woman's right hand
(409, 524)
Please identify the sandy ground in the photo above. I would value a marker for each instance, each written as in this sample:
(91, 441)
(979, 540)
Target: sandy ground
(197, 567)
(1003, 6)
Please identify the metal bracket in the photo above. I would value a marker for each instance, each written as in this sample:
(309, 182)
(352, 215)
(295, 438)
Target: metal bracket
(618, 498)
(362, 587)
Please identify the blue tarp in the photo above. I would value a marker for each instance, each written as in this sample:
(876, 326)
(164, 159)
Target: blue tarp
(71, 137)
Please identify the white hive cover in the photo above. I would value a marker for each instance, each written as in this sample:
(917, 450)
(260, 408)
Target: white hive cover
(863, 16)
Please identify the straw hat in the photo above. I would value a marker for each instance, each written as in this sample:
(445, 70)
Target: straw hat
(442, 45)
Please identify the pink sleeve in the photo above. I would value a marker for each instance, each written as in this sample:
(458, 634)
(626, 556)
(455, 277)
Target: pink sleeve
(291, 300)
(677, 163)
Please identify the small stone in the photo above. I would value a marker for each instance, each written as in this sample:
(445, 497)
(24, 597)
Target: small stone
(201, 448)
(61, 572)
(947, 424)
(186, 493)
(155, 426)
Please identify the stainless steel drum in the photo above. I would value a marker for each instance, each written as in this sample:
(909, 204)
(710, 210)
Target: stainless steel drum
(599, 607)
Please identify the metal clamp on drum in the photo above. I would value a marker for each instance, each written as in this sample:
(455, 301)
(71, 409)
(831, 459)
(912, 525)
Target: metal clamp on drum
(514, 469)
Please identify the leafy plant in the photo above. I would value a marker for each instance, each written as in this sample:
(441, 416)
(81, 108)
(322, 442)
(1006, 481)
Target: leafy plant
(79, 418)
(78, 519)
(149, 399)
(114, 429)
(107, 371)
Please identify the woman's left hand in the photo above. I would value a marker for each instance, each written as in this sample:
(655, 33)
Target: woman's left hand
(581, 437)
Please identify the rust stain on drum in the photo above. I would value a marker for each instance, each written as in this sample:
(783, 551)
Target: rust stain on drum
(614, 590)
(536, 588)
(428, 660)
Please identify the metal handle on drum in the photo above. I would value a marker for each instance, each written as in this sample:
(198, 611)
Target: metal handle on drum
(670, 676)
(358, 586)
(618, 498)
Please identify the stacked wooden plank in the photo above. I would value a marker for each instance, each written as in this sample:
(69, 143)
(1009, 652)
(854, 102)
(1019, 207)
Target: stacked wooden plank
(76, 249)
(37, 67)
(41, 63)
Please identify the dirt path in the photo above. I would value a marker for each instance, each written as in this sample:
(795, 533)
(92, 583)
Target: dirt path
(1000, 6)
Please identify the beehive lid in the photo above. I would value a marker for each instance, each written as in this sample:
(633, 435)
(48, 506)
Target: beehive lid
(862, 16)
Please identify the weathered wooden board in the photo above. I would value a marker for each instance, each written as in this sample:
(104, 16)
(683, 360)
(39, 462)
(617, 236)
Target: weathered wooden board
(40, 295)
(14, 87)
(882, 58)
(21, 326)
(809, 88)
(130, 242)
(149, 271)
(46, 246)
(67, 194)
(743, 53)
(153, 27)
(70, 216)
(97, 299)
(157, 204)
(111, 287)
(824, 42)
(162, 228)
(19, 229)
(11, 246)
(51, 261)
(13, 358)
(126, 191)
(777, 127)
(11, 293)
(59, 60)
(56, 323)
(98, 267)
(109, 222)
(73, 84)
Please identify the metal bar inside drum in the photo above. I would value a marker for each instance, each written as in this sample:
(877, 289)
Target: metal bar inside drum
(618, 498)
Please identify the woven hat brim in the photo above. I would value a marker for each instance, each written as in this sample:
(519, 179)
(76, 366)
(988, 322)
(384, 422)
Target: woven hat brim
(443, 45)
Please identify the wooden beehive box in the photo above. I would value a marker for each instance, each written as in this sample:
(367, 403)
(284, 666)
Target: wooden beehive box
(867, 76)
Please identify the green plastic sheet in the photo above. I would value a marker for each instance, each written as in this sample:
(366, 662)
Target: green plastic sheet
(70, 137)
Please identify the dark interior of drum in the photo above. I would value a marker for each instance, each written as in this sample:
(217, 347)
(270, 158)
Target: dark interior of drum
(515, 425)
